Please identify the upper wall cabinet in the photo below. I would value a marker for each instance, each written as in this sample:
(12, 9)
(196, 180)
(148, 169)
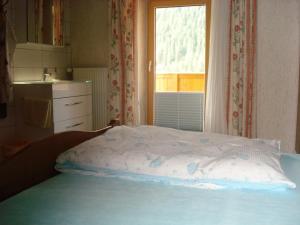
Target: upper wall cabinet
(40, 21)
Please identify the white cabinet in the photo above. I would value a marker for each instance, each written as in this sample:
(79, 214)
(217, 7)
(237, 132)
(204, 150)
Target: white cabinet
(67, 108)
(71, 107)
(79, 123)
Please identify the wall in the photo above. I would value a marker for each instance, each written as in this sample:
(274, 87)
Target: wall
(7, 126)
(278, 70)
(90, 42)
(31, 59)
(89, 32)
(28, 63)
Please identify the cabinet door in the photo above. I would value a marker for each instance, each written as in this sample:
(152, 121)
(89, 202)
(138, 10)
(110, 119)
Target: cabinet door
(78, 124)
(68, 108)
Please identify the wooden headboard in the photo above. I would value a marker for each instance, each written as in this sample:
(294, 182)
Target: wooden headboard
(36, 162)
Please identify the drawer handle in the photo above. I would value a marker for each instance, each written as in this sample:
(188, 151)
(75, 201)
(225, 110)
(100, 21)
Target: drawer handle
(74, 125)
(74, 103)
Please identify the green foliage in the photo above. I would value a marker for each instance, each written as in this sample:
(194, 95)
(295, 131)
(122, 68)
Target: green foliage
(180, 40)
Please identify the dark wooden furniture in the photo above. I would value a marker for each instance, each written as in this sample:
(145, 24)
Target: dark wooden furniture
(36, 162)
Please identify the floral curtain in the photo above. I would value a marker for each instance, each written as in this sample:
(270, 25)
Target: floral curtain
(4, 75)
(58, 14)
(241, 78)
(122, 79)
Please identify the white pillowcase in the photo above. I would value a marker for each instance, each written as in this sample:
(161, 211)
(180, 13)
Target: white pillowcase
(248, 164)
(179, 157)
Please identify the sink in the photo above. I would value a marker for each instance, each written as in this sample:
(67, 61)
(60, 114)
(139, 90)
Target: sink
(54, 81)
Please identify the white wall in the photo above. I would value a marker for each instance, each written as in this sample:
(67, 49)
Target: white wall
(31, 59)
(89, 32)
(278, 70)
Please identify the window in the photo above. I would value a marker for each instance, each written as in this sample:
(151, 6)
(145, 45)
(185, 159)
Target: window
(178, 53)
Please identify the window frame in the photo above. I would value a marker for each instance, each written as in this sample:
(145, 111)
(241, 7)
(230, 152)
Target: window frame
(152, 6)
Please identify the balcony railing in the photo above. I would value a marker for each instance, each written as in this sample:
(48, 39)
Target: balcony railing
(180, 82)
(179, 101)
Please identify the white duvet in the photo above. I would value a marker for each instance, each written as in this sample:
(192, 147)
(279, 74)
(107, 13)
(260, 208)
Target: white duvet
(179, 157)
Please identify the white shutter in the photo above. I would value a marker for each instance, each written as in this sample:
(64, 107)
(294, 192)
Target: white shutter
(180, 110)
(166, 112)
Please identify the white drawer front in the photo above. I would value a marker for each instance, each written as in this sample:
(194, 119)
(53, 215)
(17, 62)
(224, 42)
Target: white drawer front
(77, 124)
(68, 108)
(62, 90)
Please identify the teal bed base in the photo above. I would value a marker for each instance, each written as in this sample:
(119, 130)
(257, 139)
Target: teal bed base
(69, 199)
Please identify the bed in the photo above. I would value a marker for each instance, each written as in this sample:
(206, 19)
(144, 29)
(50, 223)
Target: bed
(84, 197)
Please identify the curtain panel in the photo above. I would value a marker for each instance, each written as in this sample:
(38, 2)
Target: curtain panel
(122, 76)
(4, 73)
(58, 14)
(215, 102)
(241, 110)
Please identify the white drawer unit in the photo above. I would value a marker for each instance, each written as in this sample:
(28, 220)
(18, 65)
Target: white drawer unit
(77, 124)
(67, 108)
(71, 107)
(62, 90)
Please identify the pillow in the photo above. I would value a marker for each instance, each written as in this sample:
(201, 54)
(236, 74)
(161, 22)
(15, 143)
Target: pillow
(179, 157)
(250, 164)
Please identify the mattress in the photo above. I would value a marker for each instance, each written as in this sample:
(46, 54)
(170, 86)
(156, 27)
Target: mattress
(79, 199)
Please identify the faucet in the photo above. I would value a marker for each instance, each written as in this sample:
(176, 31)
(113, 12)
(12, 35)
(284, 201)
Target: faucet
(46, 74)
